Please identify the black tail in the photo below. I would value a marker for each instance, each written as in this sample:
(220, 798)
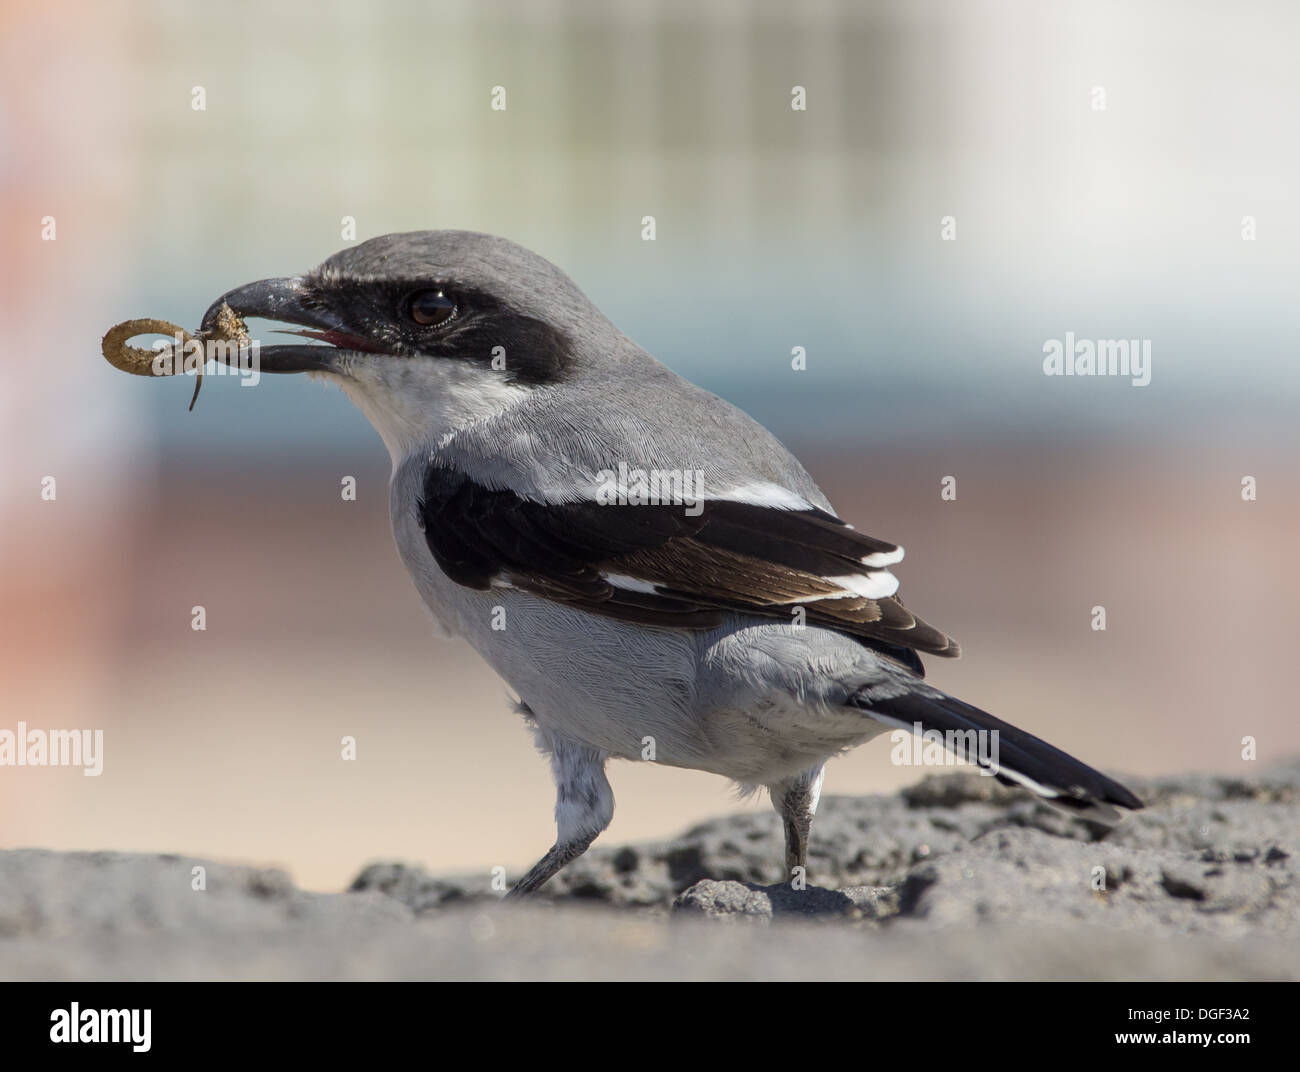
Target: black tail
(1020, 758)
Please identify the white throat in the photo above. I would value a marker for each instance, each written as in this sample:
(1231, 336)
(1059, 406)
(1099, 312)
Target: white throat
(422, 403)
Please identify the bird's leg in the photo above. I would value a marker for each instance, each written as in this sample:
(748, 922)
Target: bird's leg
(584, 805)
(795, 800)
(556, 858)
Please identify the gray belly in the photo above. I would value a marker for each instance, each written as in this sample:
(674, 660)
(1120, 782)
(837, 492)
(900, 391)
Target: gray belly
(753, 701)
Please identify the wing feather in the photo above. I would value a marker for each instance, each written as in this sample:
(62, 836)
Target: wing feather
(663, 565)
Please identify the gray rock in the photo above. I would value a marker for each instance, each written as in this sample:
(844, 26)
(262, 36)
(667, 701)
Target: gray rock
(956, 878)
(1009, 876)
(720, 900)
(53, 895)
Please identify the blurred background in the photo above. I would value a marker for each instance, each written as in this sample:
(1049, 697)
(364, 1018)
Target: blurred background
(775, 228)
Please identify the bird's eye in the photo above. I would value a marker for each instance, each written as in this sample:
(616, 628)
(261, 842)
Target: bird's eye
(429, 307)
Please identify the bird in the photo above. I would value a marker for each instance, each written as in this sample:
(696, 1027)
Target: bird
(652, 573)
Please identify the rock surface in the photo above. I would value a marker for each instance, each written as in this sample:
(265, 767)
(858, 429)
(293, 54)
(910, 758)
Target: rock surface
(956, 878)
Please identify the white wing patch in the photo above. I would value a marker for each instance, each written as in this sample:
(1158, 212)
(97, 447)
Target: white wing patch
(868, 585)
(883, 558)
(632, 584)
(763, 493)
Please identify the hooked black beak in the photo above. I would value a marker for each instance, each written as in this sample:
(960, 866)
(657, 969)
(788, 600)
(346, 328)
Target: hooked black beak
(286, 300)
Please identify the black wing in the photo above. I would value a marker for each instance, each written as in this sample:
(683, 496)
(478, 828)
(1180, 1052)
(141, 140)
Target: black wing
(662, 566)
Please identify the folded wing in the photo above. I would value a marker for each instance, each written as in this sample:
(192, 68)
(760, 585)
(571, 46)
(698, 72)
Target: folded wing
(667, 565)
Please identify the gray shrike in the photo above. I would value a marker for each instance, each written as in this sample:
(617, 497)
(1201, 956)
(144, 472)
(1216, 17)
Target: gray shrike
(645, 565)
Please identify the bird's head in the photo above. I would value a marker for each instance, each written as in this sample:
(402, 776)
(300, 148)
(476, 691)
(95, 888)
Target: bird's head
(426, 331)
